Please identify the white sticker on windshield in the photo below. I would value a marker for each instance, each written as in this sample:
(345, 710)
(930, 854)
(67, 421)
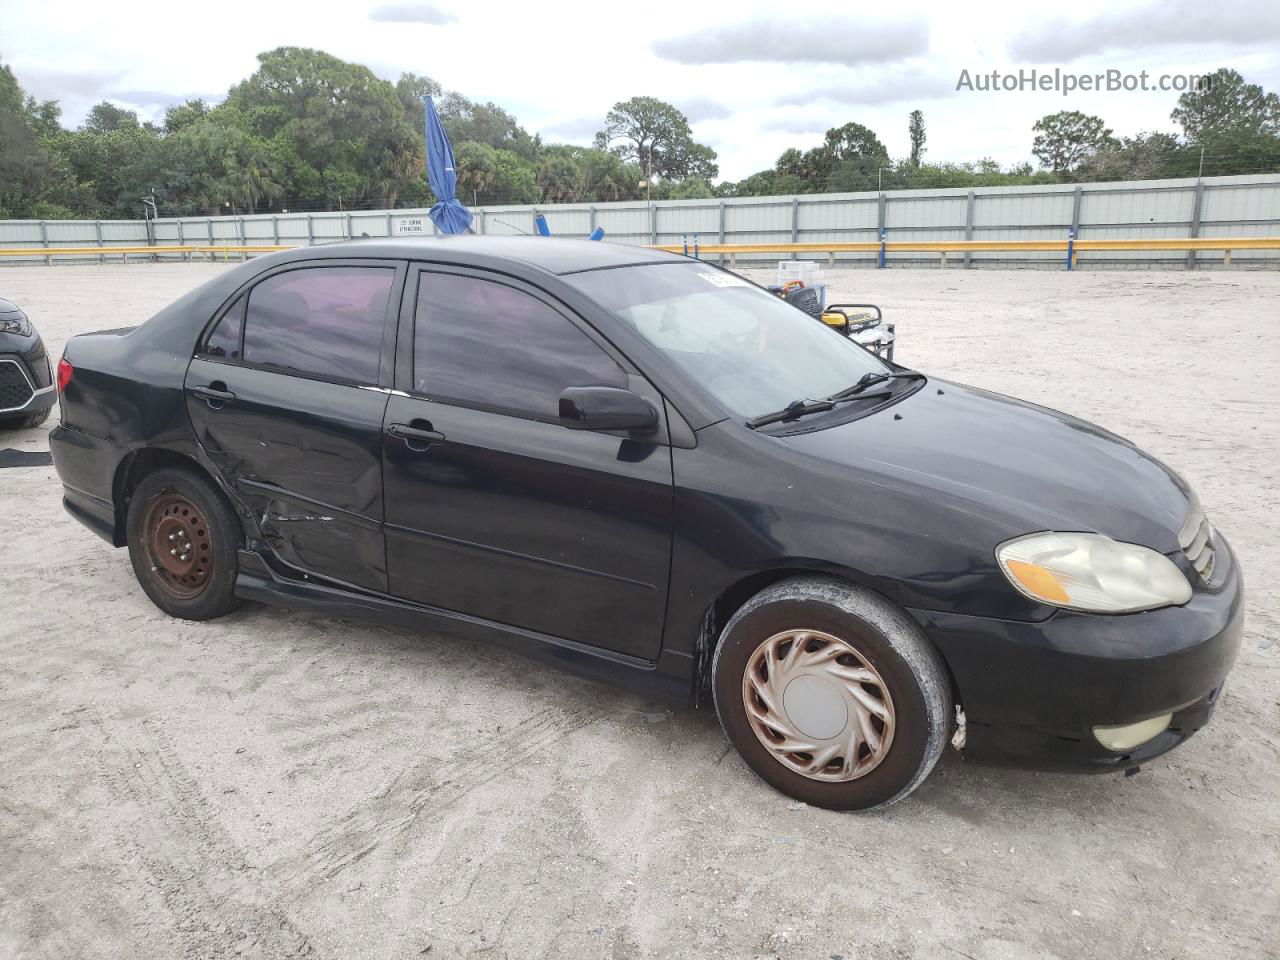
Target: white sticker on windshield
(724, 280)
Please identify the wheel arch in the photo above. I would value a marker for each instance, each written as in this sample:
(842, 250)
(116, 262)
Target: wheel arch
(721, 610)
(137, 465)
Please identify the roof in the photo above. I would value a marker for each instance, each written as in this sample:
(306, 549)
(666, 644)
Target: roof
(555, 255)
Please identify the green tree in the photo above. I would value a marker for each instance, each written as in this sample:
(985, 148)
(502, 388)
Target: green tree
(106, 117)
(915, 130)
(485, 123)
(608, 177)
(24, 163)
(1226, 103)
(183, 115)
(562, 176)
(335, 118)
(657, 137)
(853, 141)
(411, 88)
(1066, 138)
(1147, 156)
(694, 188)
(517, 179)
(476, 165)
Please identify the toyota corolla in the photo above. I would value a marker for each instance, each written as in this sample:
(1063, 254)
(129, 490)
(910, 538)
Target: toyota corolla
(645, 468)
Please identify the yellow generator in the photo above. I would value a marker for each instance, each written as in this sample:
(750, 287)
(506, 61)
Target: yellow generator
(861, 322)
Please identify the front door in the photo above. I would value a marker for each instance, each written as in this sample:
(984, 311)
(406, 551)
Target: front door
(280, 398)
(492, 507)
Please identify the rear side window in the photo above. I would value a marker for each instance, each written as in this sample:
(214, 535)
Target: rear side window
(321, 321)
(224, 341)
(484, 344)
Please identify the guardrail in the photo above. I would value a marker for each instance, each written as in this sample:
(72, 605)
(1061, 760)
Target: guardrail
(1070, 248)
(186, 250)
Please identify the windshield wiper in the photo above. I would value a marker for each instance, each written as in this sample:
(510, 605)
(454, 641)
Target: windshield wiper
(792, 411)
(868, 380)
(799, 408)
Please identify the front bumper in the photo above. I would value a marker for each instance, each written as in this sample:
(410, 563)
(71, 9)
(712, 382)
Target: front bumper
(25, 385)
(1032, 692)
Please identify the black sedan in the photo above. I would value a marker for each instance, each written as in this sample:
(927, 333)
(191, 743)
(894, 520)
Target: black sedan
(648, 469)
(26, 380)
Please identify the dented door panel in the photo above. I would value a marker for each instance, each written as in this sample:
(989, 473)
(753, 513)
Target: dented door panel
(305, 457)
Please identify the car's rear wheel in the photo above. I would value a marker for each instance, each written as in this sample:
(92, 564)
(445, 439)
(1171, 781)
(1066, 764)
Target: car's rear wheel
(831, 694)
(183, 542)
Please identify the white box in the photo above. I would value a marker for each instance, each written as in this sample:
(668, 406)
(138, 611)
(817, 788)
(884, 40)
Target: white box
(806, 271)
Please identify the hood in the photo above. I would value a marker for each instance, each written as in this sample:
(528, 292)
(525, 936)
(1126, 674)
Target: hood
(1016, 466)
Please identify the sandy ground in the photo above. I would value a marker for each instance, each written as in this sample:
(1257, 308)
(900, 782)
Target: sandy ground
(278, 784)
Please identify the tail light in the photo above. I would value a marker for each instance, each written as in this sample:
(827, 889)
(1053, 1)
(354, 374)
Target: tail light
(65, 370)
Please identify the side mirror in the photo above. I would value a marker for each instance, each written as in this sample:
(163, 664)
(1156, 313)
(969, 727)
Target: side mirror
(606, 408)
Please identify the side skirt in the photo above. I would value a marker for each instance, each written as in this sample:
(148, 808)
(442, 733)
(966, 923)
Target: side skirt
(669, 679)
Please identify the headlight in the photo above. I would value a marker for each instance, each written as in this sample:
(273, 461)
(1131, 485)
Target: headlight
(19, 325)
(1087, 571)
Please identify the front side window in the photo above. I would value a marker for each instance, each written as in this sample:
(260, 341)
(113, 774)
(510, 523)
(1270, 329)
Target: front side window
(320, 321)
(749, 349)
(482, 343)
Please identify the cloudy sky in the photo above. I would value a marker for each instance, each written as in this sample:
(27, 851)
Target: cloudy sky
(753, 79)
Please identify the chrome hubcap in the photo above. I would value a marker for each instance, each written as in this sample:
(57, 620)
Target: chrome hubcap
(818, 705)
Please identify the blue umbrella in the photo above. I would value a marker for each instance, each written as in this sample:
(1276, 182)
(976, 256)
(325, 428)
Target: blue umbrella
(448, 214)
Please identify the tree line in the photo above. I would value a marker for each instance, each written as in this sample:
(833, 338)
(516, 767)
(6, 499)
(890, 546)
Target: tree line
(308, 131)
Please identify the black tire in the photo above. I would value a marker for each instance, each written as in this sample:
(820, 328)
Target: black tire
(25, 421)
(911, 686)
(183, 508)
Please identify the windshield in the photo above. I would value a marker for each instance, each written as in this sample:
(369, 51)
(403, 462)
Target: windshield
(750, 350)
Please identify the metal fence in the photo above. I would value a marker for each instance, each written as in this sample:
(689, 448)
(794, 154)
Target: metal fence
(1241, 206)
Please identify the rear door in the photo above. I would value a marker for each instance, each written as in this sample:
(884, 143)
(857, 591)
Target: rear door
(493, 508)
(287, 395)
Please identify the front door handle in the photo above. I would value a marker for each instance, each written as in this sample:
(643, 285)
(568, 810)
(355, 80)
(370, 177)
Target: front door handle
(213, 397)
(416, 438)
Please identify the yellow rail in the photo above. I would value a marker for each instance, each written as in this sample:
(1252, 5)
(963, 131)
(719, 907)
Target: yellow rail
(973, 246)
(140, 251)
(941, 247)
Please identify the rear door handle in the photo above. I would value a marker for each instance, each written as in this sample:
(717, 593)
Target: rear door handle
(414, 435)
(211, 396)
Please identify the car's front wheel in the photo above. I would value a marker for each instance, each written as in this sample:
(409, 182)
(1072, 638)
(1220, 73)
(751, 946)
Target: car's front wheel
(25, 421)
(831, 694)
(183, 542)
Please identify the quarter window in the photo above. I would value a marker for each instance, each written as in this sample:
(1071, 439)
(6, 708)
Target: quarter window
(485, 344)
(224, 341)
(320, 321)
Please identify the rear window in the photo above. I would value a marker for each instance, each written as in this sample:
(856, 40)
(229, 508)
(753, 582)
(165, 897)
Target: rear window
(321, 321)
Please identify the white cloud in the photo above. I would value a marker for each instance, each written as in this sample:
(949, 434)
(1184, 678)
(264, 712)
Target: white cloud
(54, 84)
(559, 65)
(697, 109)
(429, 13)
(820, 39)
(879, 87)
(1166, 24)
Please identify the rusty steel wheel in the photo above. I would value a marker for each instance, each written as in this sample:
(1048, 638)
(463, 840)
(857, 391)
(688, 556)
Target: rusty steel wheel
(179, 546)
(818, 705)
